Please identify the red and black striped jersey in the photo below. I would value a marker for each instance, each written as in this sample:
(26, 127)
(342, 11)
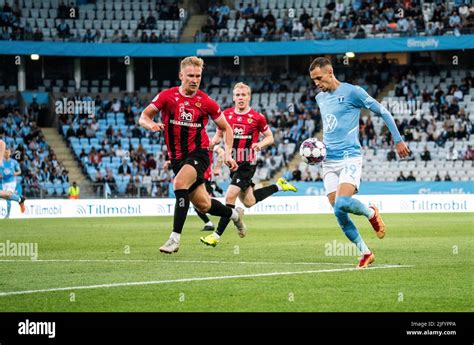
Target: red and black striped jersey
(247, 128)
(185, 119)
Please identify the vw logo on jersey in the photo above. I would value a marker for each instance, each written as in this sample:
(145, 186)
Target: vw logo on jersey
(330, 123)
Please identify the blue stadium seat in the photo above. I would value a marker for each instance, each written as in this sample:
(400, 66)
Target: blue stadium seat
(65, 129)
(84, 141)
(58, 188)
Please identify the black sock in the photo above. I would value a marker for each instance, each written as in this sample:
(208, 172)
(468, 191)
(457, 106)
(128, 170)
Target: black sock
(180, 209)
(203, 216)
(263, 193)
(218, 209)
(223, 222)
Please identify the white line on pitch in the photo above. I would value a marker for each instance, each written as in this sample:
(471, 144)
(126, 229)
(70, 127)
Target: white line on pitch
(183, 261)
(185, 280)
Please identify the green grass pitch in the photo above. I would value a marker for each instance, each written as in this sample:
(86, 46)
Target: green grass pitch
(282, 265)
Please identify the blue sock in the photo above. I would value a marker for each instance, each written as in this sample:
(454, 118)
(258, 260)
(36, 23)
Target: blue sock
(9, 207)
(351, 205)
(349, 228)
(14, 197)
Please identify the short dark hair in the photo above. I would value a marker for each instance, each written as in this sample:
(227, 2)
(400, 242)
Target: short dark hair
(319, 62)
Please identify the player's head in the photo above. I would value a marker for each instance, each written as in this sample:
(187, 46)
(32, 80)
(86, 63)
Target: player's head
(242, 95)
(190, 73)
(7, 153)
(321, 73)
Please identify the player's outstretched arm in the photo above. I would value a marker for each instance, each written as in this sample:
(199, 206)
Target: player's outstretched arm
(370, 103)
(146, 120)
(266, 141)
(224, 126)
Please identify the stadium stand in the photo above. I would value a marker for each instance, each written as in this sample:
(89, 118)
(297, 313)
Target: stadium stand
(112, 149)
(434, 111)
(283, 20)
(42, 173)
(101, 21)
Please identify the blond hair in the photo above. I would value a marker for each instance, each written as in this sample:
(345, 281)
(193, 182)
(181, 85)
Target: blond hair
(192, 61)
(243, 85)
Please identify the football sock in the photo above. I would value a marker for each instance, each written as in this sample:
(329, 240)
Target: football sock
(14, 197)
(203, 216)
(349, 228)
(223, 222)
(180, 209)
(175, 236)
(9, 207)
(351, 205)
(216, 235)
(220, 210)
(263, 193)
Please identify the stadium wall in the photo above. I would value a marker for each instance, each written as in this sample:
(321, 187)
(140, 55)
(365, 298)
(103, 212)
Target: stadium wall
(61, 208)
(303, 47)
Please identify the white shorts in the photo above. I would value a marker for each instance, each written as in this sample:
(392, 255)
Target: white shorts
(9, 187)
(348, 170)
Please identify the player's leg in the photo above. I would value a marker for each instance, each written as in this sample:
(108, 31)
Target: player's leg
(208, 226)
(230, 198)
(185, 177)
(10, 196)
(201, 199)
(343, 195)
(350, 182)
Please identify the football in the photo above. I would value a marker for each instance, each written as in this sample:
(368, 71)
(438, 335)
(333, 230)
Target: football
(312, 151)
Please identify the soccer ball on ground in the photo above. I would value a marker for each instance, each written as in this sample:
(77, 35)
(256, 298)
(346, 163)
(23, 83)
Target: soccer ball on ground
(312, 151)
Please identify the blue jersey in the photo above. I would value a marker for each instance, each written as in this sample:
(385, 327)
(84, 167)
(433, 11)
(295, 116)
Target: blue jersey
(340, 112)
(8, 169)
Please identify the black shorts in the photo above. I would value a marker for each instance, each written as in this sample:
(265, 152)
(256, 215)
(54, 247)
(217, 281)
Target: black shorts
(199, 159)
(242, 177)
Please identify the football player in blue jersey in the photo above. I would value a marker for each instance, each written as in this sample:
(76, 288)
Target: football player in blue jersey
(340, 104)
(9, 169)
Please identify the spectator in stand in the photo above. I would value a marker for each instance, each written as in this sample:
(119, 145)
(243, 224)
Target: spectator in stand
(452, 154)
(296, 175)
(64, 30)
(124, 169)
(401, 177)
(38, 35)
(411, 177)
(469, 154)
(391, 156)
(447, 177)
(437, 177)
(426, 155)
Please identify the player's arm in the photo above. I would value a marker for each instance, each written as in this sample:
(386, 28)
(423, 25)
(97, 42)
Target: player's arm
(266, 141)
(146, 119)
(220, 160)
(224, 126)
(370, 103)
(216, 139)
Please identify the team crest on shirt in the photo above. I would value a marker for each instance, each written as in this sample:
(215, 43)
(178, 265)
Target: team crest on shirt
(185, 115)
(198, 104)
(340, 99)
(239, 131)
(249, 120)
